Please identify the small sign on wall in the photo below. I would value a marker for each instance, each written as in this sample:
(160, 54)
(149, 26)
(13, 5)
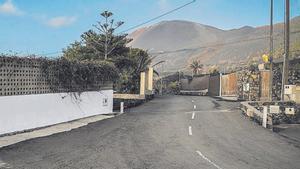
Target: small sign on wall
(246, 87)
(105, 102)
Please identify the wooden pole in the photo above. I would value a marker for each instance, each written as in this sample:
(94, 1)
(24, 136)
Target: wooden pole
(285, 73)
(271, 53)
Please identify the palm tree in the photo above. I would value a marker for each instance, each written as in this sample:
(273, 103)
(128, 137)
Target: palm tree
(196, 66)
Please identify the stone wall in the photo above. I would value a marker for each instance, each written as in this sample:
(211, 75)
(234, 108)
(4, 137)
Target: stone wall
(294, 76)
(250, 81)
(249, 84)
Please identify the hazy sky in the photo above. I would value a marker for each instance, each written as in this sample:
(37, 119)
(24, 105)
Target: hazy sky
(46, 26)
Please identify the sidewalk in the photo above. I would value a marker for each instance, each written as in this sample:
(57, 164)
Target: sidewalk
(47, 131)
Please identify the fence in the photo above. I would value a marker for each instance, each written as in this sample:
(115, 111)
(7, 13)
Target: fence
(24, 76)
(214, 85)
(229, 84)
(195, 84)
(264, 85)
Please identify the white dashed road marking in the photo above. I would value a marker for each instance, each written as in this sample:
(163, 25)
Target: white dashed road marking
(193, 116)
(195, 107)
(208, 160)
(190, 130)
(4, 165)
(209, 111)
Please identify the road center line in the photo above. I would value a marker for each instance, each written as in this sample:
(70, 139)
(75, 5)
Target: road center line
(209, 111)
(195, 107)
(4, 165)
(193, 116)
(205, 158)
(190, 130)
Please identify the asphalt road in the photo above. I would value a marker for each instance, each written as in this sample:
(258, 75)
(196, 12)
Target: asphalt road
(161, 134)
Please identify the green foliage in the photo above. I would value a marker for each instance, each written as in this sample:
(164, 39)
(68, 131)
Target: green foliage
(80, 52)
(102, 44)
(174, 86)
(77, 76)
(63, 75)
(213, 70)
(99, 44)
(130, 68)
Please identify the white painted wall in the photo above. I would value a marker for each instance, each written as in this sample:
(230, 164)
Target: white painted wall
(18, 113)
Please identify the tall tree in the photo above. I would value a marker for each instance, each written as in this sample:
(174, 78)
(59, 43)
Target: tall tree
(101, 43)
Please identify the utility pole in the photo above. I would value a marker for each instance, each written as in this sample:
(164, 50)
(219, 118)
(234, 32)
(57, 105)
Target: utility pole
(271, 53)
(106, 41)
(285, 72)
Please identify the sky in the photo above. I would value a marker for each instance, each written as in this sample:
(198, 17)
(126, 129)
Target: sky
(45, 27)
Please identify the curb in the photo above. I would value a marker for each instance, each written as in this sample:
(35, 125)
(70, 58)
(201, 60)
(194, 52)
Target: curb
(224, 99)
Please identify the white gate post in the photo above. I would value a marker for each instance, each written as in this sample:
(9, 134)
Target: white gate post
(265, 117)
(122, 107)
(220, 90)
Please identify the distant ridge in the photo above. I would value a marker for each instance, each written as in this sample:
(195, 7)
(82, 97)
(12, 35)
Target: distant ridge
(199, 41)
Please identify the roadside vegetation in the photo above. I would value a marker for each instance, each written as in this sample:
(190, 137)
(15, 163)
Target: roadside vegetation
(103, 45)
(196, 67)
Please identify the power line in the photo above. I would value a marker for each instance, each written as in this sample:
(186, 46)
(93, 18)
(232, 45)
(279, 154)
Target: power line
(155, 18)
(200, 47)
(136, 26)
(180, 50)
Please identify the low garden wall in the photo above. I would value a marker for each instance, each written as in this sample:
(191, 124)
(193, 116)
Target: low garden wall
(25, 112)
(255, 109)
(196, 83)
(130, 100)
(37, 92)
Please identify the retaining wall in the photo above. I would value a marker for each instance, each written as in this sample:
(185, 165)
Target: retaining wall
(195, 84)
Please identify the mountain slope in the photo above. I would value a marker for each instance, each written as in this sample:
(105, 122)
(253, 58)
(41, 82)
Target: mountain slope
(180, 42)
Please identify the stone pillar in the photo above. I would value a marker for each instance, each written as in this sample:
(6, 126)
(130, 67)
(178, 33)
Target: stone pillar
(142, 83)
(150, 79)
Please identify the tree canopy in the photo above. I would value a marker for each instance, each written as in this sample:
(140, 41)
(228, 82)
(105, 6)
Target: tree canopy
(102, 44)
